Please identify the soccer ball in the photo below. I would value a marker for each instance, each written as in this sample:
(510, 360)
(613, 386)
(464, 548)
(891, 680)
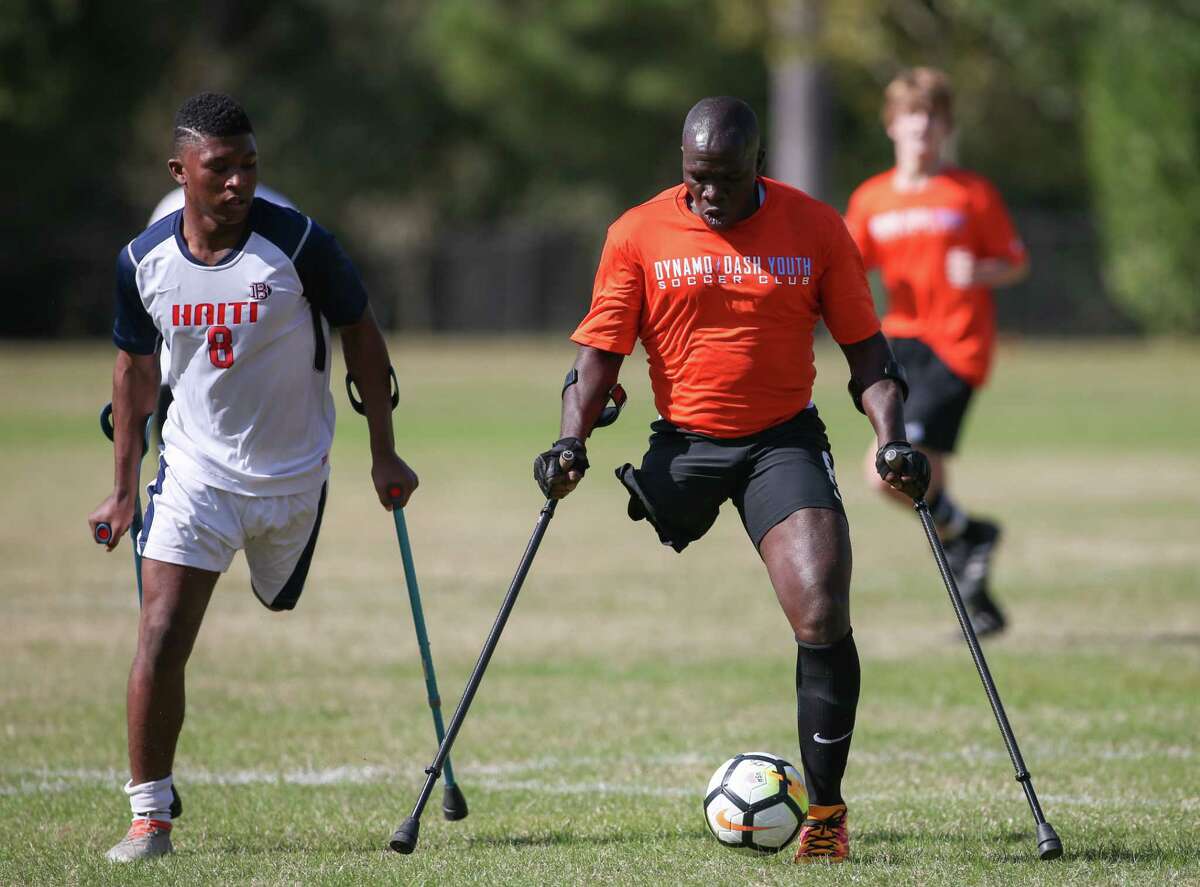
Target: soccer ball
(756, 801)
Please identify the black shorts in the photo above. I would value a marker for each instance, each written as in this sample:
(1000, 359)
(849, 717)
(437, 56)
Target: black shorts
(937, 398)
(685, 477)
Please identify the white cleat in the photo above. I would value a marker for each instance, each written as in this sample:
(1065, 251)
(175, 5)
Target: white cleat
(146, 839)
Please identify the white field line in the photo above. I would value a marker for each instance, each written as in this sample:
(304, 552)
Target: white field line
(370, 773)
(367, 775)
(500, 775)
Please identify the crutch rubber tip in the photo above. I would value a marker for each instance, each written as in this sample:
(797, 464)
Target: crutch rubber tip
(103, 534)
(405, 838)
(454, 805)
(1049, 846)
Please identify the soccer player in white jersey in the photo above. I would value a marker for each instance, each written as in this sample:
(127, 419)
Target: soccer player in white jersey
(244, 293)
(171, 202)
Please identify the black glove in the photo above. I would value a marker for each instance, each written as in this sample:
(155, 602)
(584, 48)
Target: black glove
(547, 467)
(898, 457)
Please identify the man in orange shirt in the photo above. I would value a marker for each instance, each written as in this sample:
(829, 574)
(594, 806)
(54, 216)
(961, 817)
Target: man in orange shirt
(723, 279)
(942, 240)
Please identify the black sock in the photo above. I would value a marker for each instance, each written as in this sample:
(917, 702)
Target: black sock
(827, 680)
(948, 515)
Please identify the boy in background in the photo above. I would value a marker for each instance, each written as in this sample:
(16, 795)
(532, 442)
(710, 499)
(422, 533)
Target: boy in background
(943, 241)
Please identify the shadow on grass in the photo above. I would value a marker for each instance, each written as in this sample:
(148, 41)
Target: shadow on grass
(1162, 638)
(558, 838)
(1103, 853)
(564, 838)
(1019, 847)
(896, 836)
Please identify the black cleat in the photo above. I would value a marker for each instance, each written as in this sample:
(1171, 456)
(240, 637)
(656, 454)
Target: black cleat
(956, 557)
(971, 565)
(969, 556)
(985, 616)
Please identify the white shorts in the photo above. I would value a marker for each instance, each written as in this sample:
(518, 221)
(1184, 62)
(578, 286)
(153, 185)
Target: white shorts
(192, 524)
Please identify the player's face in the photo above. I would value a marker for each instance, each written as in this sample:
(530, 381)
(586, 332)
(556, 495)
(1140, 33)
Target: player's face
(219, 176)
(919, 132)
(720, 183)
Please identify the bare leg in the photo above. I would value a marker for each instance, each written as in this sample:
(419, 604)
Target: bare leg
(173, 604)
(808, 559)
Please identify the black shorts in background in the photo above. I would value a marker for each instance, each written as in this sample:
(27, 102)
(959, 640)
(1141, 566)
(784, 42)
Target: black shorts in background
(685, 477)
(937, 398)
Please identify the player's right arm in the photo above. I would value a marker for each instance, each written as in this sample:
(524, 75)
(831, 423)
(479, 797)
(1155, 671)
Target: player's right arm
(606, 335)
(857, 221)
(849, 313)
(134, 396)
(594, 374)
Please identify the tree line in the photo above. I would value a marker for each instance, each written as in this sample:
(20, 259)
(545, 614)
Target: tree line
(392, 122)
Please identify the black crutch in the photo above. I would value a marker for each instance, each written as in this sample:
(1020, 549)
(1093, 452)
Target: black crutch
(404, 840)
(1049, 845)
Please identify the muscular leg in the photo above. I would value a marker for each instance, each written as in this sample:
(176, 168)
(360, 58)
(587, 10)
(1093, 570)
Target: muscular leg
(808, 559)
(173, 604)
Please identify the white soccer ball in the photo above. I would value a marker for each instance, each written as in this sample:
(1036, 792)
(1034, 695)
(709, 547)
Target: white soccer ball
(755, 801)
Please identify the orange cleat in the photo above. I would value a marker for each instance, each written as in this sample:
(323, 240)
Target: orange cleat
(824, 836)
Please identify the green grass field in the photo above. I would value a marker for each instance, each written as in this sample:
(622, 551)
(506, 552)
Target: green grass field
(627, 672)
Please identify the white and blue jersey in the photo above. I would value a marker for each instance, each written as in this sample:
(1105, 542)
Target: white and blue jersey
(248, 341)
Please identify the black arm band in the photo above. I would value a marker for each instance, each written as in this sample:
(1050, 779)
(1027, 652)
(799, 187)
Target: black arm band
(572, 378)
(356, 401)
(616, 394)
(891, 370)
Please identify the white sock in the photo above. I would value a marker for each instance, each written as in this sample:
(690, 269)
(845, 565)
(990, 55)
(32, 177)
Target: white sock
(150, 800)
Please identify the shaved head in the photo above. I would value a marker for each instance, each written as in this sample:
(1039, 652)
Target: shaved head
(721, 159)
(720, 123)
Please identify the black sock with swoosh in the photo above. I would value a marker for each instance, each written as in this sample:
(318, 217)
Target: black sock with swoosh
(827, 682)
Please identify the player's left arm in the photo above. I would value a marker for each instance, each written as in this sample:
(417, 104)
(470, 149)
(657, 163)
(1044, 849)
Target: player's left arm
(332, 285)
(964, 269)
(367, 362)
(879, 389)
(877, 383)
(998, 257)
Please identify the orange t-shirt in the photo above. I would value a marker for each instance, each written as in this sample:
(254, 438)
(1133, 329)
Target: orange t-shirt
(907, 235)
(727, 317)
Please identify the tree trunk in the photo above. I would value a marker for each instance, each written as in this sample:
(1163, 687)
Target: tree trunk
(799, 116)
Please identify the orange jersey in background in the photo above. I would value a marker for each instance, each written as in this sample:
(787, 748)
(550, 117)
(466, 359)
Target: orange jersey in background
(907, 236)
(727, 317)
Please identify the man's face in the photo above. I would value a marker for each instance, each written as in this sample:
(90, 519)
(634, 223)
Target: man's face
(919, 132)
(720, 181)
(219, 176)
